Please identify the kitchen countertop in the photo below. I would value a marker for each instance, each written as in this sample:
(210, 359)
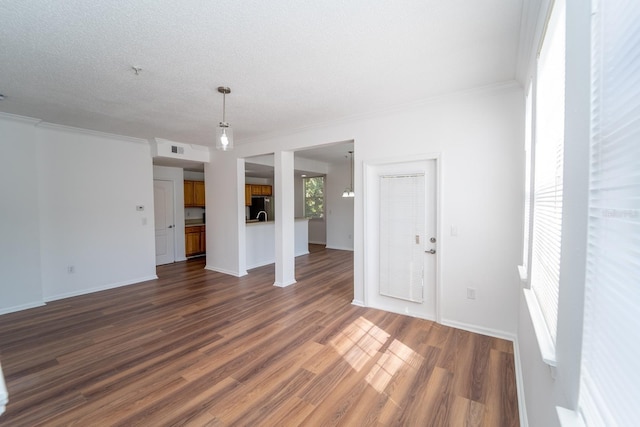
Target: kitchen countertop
(271, 221)
(194, 224)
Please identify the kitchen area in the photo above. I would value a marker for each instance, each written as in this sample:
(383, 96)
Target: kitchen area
(260, 224)
(259, 220)
(181, 205)
(195, 236)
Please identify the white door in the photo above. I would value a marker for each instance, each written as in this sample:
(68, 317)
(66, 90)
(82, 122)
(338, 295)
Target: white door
(164, 220)
(401, 233)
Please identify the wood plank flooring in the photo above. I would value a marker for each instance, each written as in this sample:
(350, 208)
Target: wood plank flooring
(200, 348)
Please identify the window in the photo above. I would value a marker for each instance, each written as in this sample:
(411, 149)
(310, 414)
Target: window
(610, 379)
(314, 197)
(547, 174)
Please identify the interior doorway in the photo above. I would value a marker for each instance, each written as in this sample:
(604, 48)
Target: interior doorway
(164, 221)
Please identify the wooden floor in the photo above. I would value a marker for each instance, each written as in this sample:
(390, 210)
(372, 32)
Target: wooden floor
(200, 348)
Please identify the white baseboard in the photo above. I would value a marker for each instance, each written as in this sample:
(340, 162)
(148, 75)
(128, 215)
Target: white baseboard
(285, 284)
(358, 303)
(496, 333)
(339, 248)
(21, 307)
(99, 288)
(224, 271)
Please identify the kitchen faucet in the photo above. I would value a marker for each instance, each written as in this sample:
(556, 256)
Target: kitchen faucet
(265, 215)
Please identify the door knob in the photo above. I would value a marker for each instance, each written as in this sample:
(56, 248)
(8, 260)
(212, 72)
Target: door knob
(430, 251)
(171, 226)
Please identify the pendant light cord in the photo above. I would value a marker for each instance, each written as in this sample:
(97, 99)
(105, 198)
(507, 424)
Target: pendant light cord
(224, 107)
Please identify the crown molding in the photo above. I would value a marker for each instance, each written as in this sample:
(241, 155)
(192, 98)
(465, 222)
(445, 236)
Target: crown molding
(71, 129)
(19, 119)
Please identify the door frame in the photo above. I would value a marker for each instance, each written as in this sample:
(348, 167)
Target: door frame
(371, 252)
(173, 211)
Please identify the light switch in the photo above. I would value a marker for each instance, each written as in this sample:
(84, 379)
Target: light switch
(454, 230)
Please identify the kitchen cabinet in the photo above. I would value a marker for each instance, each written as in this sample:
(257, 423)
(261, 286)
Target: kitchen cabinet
(261, 190)
(198, 189)
(195, 239)
(194, 194)
(247, 194)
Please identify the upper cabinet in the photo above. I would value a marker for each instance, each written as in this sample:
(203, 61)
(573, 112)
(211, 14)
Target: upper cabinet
(198, 187)
(256, 190)
(247, 194)
(261, 190)
(194, 194)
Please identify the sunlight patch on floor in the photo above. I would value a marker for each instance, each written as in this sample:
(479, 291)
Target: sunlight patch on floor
(360, 341)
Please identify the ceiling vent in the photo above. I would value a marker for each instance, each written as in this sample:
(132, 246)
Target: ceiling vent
(177, 150)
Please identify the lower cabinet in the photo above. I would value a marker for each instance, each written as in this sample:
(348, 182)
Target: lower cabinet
(195, 239)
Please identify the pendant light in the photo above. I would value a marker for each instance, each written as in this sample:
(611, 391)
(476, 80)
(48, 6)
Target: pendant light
(224, 133)
(348, 192)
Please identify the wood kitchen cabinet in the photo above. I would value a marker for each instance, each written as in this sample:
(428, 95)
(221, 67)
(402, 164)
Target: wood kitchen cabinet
(194, 194)
(267, 190)
(247, 194)
(261, 190)
(256, 190)
(195, 240)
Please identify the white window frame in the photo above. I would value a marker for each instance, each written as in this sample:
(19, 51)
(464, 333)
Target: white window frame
(542, 328)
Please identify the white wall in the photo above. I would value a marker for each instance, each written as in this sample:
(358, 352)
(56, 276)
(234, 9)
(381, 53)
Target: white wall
(89, 187)
(479, 135)
(176, 176)
(193, 176)
(69, 199)
(338, 209)
(20, 285)
(224, 187)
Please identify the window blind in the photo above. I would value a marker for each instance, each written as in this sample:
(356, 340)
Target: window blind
(402, 226)
(611, 349)
(548, 169)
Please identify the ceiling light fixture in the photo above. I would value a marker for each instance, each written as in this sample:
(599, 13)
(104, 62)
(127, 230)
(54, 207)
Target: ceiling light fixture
(348, 192)
(224, 133)
(1, 97)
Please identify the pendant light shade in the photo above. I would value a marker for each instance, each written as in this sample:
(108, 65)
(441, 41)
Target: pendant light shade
(348, 192)
(224, 137)
(224, 133)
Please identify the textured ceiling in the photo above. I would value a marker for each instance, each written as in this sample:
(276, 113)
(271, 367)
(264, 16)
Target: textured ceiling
(290, 64)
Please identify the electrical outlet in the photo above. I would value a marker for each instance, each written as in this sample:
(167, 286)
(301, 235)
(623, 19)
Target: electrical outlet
(471, 293)
(71, 269)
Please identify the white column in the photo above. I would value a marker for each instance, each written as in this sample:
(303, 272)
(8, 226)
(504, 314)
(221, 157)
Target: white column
(224, 185)
(284, 213)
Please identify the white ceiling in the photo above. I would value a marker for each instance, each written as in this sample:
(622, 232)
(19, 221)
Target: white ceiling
(290, 64)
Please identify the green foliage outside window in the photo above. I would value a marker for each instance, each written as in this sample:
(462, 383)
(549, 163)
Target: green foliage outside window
(314, 197)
